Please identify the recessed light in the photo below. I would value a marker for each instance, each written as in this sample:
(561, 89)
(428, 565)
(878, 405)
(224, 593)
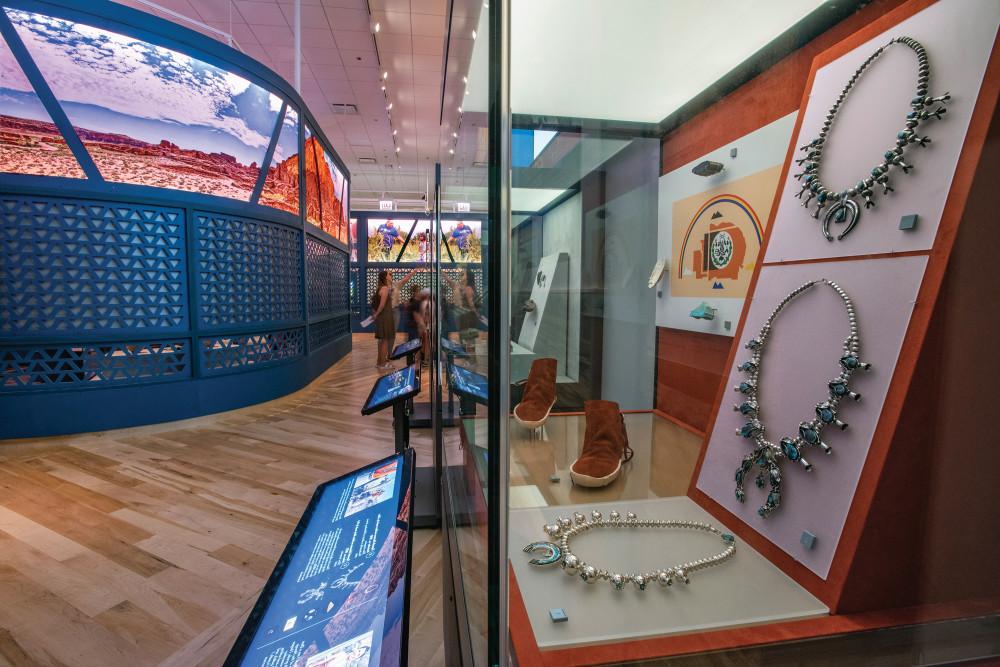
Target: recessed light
(385, 74)
(383, 87)
(459, 109)
(395, 132)
(389, 108)
(451, 151)
(378, 26)
(465, 79)
(455, 134)
(398, 149)
(474, 35)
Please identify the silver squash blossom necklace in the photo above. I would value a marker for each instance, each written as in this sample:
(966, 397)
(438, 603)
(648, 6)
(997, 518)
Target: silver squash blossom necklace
(766, 455)
(565, 529)
(843, 209)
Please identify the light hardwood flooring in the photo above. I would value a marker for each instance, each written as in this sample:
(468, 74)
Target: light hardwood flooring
(149, 546)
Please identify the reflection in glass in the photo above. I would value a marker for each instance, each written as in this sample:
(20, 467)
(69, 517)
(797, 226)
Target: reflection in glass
(150, 115)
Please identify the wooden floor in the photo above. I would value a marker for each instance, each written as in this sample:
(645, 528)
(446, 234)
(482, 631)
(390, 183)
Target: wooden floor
(149, 546)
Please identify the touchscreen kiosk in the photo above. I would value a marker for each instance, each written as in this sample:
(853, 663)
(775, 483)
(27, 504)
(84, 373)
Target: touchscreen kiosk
(393, 388)
(468, 384)
(339, 594)
(403, 349)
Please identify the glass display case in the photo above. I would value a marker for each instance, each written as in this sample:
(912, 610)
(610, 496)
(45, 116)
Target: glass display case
(738, 394)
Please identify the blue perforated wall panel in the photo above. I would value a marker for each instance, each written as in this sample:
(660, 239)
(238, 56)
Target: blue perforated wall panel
(227, 353)
(249, 271)
(93, 365)
(326, 277)
(73, 265)
(321, 333)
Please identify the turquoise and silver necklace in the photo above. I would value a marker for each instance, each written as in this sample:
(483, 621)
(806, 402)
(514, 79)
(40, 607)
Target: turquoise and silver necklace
(766, 455)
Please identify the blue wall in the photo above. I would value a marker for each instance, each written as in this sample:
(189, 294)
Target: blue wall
(123, 305)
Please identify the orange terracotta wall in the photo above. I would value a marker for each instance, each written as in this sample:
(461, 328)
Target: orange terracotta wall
(689, 368)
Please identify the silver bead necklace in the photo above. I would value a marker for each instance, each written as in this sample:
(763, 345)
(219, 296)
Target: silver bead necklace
(844, 208)
(766, 455)
(565, 529)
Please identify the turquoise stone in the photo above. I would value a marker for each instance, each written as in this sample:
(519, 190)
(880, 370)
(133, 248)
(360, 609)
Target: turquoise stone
(790, 449)
(726, 537)
(761, 461)
(850, 362)
(774, 498)
(838, 388)
(746, 387)
(759, 481)
(761, 511)
(903, 135)
(739, 476)
(810, 178)
(746, 408)
(841, 214)
(749, 430)
(826, 414)
(821, 197)
(876, 171)
(809, 434)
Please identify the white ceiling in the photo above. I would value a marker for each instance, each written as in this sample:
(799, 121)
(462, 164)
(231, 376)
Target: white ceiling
(637, 60)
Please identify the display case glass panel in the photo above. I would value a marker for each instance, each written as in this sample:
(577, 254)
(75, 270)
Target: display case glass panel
(149, 115)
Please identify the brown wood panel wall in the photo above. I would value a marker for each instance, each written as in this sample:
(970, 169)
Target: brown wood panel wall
(762, 100)
(689, 367)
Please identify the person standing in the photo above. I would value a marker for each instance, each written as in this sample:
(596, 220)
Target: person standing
(384, 314)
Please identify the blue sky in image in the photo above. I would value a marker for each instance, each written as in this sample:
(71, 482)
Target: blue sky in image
(112, 83)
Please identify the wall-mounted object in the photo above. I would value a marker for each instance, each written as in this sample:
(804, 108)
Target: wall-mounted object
(707, 168)
(704, 312)
(659, 269)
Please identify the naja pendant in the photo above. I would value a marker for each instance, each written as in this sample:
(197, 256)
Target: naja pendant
(846, 211)
(550, 553)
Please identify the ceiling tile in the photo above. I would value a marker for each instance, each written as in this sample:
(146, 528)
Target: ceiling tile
(393, 23)
(394, 43)
(260, 13)
(428, 63)
(426, 77)
(348, 19)
(216, 10)
(317, 55)
(360, 59)
(362, 73)
(438, 7)
(428, 46)
(429, 25)
(313, 16)
(353, 40)
(346, 4)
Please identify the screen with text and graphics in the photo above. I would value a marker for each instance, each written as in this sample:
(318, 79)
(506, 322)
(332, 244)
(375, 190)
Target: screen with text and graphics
(469, 383)
(388, 389)
(339, 594)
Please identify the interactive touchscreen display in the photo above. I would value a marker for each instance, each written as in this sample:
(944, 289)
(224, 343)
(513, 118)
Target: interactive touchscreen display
(469, 383)
(406, 348)
(451, 347)
(393, 387)
(338, 595)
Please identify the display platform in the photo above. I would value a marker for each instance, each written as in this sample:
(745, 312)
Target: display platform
(339, 594)
(746, 590)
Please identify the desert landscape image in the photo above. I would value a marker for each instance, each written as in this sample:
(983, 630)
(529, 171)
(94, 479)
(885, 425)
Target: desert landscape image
(147, 115)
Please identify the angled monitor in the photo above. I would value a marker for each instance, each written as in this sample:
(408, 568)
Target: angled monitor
(406, 348)
(468, 383)
(393, 388)
(339, 594)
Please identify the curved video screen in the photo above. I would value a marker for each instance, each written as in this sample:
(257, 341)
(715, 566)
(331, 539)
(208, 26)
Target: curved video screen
(153, 116)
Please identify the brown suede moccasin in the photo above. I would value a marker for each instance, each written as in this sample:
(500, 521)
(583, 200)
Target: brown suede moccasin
(605, 445)
(539, 394)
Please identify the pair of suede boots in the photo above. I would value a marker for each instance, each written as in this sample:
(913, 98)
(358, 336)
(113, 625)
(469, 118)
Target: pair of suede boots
(605, 442)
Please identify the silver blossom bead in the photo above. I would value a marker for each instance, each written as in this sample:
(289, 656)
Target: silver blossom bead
(664, 579)
(596, 516)
(617, 581)
(565, 522)
(571, 564)
(682, 575)
(588, 574)
(630, 516)
(552, 530)
(614, 515)
(579, 518)
(639, 581)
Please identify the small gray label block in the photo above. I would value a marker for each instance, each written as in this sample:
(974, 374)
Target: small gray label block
(908, 222)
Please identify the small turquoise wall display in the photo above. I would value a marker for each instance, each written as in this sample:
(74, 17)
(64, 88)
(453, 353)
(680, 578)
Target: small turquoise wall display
(159, 258)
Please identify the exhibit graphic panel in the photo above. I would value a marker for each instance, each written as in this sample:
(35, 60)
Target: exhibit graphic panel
(338, 595)
(150, 115)
(386, 238)
(733, 205)
(802, 353)
(420, 248)
(958, 37)
(717, 236)
(462, 241)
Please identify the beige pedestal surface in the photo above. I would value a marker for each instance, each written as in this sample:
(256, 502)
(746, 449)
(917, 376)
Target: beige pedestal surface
(745, 590)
